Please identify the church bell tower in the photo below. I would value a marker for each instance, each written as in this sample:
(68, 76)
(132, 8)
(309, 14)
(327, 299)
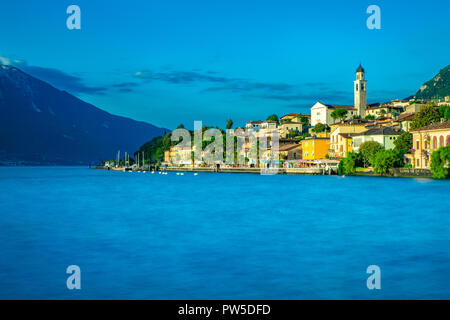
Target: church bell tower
(360, 89)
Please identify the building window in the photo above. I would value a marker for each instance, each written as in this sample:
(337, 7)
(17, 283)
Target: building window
(441, 141)
(418, 162)
(434, 143)
(356, 87)
(417, 145)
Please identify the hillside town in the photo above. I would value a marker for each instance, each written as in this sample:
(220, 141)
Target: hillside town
(331, 132)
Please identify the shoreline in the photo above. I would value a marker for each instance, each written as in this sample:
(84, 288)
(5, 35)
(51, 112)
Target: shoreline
(393, 173)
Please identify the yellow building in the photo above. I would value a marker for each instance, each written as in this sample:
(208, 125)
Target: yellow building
(285, 127)
(342, 146)
(427, 139)
(167, 156)
(315, 148)
(323, 135)
(296, 117)
(341, 142)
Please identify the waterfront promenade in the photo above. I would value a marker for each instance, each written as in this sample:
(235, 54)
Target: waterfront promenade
(397, 172)
(313, 171)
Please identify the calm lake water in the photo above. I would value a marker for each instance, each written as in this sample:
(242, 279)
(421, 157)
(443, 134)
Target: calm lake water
(221, 236)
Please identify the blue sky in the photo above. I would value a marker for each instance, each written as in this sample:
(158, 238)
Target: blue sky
(170, 62)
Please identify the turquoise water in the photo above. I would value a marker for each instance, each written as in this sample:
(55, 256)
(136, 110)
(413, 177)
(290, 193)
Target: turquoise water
(221, 236)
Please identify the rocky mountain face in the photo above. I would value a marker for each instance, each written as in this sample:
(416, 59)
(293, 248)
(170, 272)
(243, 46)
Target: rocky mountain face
(436, 88)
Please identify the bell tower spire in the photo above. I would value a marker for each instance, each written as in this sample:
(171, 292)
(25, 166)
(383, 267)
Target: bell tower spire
(360, 90)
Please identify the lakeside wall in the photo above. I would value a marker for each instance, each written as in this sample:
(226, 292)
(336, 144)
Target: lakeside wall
(313, 171)
(397, 172)
(406, 172)
(400, 172)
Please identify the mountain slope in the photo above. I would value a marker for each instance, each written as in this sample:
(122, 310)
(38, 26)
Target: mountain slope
(438, 87)
(41, 124)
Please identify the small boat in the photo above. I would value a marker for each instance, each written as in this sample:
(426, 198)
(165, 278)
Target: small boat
(196, 174)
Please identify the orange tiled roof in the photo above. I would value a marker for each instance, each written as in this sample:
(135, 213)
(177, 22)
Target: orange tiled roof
(294, 114)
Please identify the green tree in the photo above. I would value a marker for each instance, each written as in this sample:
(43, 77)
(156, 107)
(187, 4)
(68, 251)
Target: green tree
(273, 117)
(303, 136)
(444, 112)
(229, 124)
(340, 169)
(404, 142)
(386, 159)
(370, 117)
(180, 126)
(292, 133)
(440, 160)
(348, 164)
(339, 113)
(153, 150)
(318, 128)
(427, 115)
(304, 121)
(368, 150)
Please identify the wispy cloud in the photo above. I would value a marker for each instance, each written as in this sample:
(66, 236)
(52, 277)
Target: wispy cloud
(308, 91)
(329, 95)
(246, 86)
(220, 83)
(55, 77)
(180, 77)
(125, 87)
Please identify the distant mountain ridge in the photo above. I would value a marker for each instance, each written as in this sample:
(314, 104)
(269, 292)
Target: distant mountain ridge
(436, 88)
(43, 125)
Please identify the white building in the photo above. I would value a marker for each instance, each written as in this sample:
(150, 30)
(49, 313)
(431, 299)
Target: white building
(321, 113)
(383, 135)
